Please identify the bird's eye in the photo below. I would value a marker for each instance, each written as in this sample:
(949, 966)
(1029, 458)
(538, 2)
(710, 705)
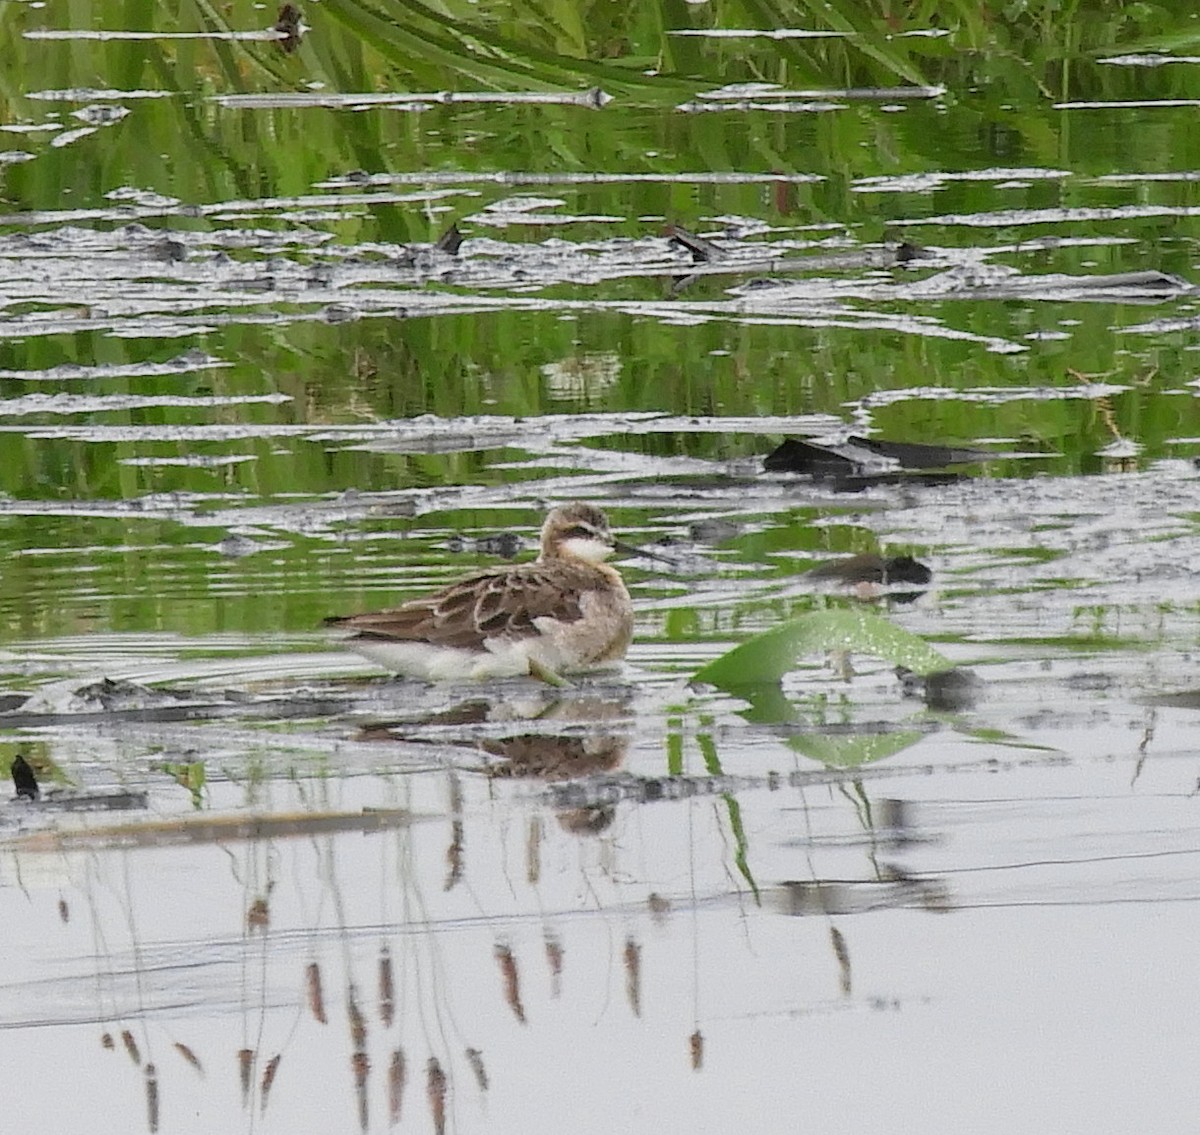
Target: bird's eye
(579, 532)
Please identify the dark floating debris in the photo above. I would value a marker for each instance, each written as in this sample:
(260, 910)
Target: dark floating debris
(25, 782)
(713, 530)
(702, 251)
(1002, 282)
(108, 701)
(906, 252)
(948, 691)
(913, 455)
(291, 28)
(24, 779)
(859, 463)
(870, 568)
(449, 242)
(506, 545)
(861, 454)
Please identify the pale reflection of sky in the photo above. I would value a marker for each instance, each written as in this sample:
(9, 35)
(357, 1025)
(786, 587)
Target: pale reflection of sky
(1052, 995)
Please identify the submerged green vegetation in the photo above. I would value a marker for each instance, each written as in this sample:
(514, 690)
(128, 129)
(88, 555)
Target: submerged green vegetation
(299, 192)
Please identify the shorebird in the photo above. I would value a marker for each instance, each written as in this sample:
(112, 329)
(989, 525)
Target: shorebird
(564, 613)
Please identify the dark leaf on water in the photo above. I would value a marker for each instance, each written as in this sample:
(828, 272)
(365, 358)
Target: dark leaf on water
(793, 456)
(450, 241)
(24, 780)
(869, 568)
(702, 250)
(874, 460)
(912, 455)
(289, 24)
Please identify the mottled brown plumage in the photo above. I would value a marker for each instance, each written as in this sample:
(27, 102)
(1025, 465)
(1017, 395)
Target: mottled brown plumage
(565, 612)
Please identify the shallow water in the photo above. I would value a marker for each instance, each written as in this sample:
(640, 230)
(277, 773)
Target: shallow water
(300, 322)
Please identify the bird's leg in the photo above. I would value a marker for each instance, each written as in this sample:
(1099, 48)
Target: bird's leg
(545, 674)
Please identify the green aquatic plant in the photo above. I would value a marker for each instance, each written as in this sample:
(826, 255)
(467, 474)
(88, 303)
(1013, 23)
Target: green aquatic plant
(764, 659)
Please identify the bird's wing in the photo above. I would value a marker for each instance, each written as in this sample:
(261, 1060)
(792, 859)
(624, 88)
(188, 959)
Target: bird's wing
(506, 603)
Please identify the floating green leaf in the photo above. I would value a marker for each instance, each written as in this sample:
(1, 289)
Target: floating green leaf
(766, 657)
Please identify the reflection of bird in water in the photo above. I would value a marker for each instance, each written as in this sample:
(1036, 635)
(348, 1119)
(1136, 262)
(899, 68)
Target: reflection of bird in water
(866, 573)
(554, 756)
(566, 612)
(569, 737)
(587, 821)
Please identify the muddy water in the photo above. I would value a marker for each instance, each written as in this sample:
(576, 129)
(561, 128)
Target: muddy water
(299, 320)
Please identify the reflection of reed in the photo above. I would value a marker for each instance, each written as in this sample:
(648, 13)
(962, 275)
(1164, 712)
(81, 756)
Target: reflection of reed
(245, 1058)
(360, 1065)
(475, 1059)
(387, 989)
(396, 1079)
(842, 952)
(633, 975)
(358, 1023)
(151, 1098)
(316, 999)
(400, 1011)
(554, 958)
(454, 852)
(435, 1089)
(268, 1078)
(512, 981)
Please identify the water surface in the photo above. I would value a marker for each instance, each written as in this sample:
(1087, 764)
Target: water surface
(300, 319)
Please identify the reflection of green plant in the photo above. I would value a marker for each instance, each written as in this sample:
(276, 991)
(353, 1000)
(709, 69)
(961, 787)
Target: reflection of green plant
(741, 845)
(187, 774)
